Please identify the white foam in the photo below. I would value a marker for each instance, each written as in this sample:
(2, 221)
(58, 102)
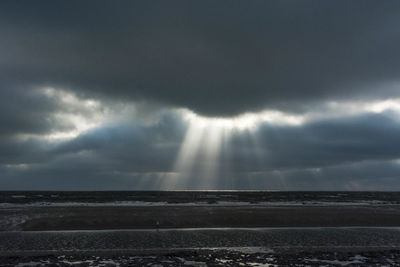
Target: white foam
(358, 259)
(195, 263)
(18, 196)
(257, 264)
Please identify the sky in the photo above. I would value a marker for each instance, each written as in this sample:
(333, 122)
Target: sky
(184, 95)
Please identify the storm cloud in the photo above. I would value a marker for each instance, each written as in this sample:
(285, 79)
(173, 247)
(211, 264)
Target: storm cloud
(214, 58)
(259, 95)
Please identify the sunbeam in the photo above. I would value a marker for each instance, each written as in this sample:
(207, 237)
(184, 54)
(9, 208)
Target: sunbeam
(189, 148)
(206, 149)
(212, 148)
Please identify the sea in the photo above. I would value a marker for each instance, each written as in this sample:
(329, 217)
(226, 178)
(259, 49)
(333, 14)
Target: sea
(187, 197)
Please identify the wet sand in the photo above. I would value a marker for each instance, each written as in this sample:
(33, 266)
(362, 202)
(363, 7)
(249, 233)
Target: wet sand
(310, 238)
(276, 235)
(214, 257)
(126, 217)
(204, 247)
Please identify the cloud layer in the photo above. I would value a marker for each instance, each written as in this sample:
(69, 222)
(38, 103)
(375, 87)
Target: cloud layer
(217, 59)
(265, 95)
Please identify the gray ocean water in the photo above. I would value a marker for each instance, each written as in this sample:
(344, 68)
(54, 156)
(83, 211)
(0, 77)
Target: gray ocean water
(208, 197)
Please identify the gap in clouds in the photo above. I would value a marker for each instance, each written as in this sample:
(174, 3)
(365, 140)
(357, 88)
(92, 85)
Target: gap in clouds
(178, 149)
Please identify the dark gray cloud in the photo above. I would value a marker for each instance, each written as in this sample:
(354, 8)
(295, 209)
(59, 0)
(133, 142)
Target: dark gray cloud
(24, 111)
(335, 152)
(313, 145)
(316, 144)
(216, 58)
(115, 72)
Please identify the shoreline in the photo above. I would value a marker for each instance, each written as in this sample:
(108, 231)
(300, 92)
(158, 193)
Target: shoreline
(199, 229)
(164, 251)
(166, 217)
(259, 240)
(156, 230)
(263, 247)
(195, 204)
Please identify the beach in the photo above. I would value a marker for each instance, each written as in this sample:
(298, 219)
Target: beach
(199, 232)
(151, 217)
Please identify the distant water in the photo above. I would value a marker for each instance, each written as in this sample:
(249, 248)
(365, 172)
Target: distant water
(206, 197)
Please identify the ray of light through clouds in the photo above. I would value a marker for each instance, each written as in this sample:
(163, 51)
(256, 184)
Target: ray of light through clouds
(191, 95)
(207, 139)
(204, 158)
